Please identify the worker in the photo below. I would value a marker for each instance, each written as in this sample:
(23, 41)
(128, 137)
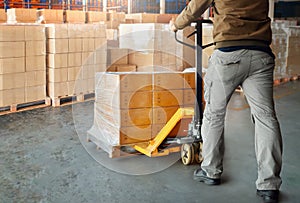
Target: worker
(242, 56)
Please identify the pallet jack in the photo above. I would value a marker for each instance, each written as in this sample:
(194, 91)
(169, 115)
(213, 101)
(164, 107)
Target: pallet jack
(191, 145)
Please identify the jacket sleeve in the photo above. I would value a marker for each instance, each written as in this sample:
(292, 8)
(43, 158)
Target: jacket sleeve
(191, 12)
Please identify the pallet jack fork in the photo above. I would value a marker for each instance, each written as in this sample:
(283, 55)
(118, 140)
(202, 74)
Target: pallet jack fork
(191, 145)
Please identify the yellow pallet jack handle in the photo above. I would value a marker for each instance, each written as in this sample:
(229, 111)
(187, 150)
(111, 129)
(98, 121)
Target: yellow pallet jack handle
(151, 149)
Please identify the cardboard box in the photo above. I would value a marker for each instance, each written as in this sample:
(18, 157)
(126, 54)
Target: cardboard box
(35, 33)
(35, 93)
(168, 98)
(12, 49)
(77, 87)
(167, 81)
(57, 60)
(72, 16)
(100, 68)
(88, 44)
(57, 31)
(12, 96)
(100, 57)
(145, 59)
(88, 58)
(56, 89)
(124, 100)
(35, 78)
(142, 17)
(94, 16)
(3, 17)
(165, 18)
(57, 46)
(100, 43)
(57, 75)
(74, 59)
(88, 71)
(74, 73)
(35, 48)
(189, 80)
(35, 63)
(125, 68)
(100, 30)
(75, 45)
(189, 96)
(117, 56)
(53, 16)
(126, 117)
(91, 85)
(12, 65)
(180, 130)
(112, 34)
(24, 15)
(124, 82)
(161, 115)
(12, 33)
(12, 81)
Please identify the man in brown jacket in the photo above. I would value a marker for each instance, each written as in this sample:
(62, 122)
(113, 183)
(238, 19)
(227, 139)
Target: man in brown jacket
(242, 36)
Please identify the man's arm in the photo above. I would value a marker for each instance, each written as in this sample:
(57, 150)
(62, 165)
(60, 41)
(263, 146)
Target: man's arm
(191, 12)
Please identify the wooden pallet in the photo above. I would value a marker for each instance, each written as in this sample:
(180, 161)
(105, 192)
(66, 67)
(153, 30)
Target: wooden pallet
(279, 81)
(25, 106)
(71, 99)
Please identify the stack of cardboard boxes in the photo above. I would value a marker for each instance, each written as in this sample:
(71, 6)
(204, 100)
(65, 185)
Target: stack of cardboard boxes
(293, 47)
(22, 64)
(75, 52)
(133, 107)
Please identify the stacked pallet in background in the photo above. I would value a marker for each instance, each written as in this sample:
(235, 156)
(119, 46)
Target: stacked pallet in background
(131, 107)
(149, 18)
(293, 56)
(22, 65)
(75, 52)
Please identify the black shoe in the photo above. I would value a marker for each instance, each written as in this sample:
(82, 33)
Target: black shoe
(200, 175)
(269, 196)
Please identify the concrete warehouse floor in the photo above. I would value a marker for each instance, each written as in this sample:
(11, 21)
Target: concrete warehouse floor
(42, 159)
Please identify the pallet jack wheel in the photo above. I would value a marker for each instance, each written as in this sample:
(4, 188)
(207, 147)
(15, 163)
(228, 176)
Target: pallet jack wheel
(198, 152)
(187, 153)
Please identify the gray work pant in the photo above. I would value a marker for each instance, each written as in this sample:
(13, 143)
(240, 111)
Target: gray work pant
(253, 70)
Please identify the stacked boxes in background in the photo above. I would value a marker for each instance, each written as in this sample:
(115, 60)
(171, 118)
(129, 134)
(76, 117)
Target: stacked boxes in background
(21, 15)
(95, 16)
(118, 60)
(74, 53)
(115, 19)
(3, 17)
(72, 16)
(50, 15)
(35, 63)
(22, 64)
(293, 47)
(154, 46)
(133, 107)
(279, 47)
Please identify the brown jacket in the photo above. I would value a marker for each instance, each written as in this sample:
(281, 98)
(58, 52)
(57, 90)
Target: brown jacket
(236, 22)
